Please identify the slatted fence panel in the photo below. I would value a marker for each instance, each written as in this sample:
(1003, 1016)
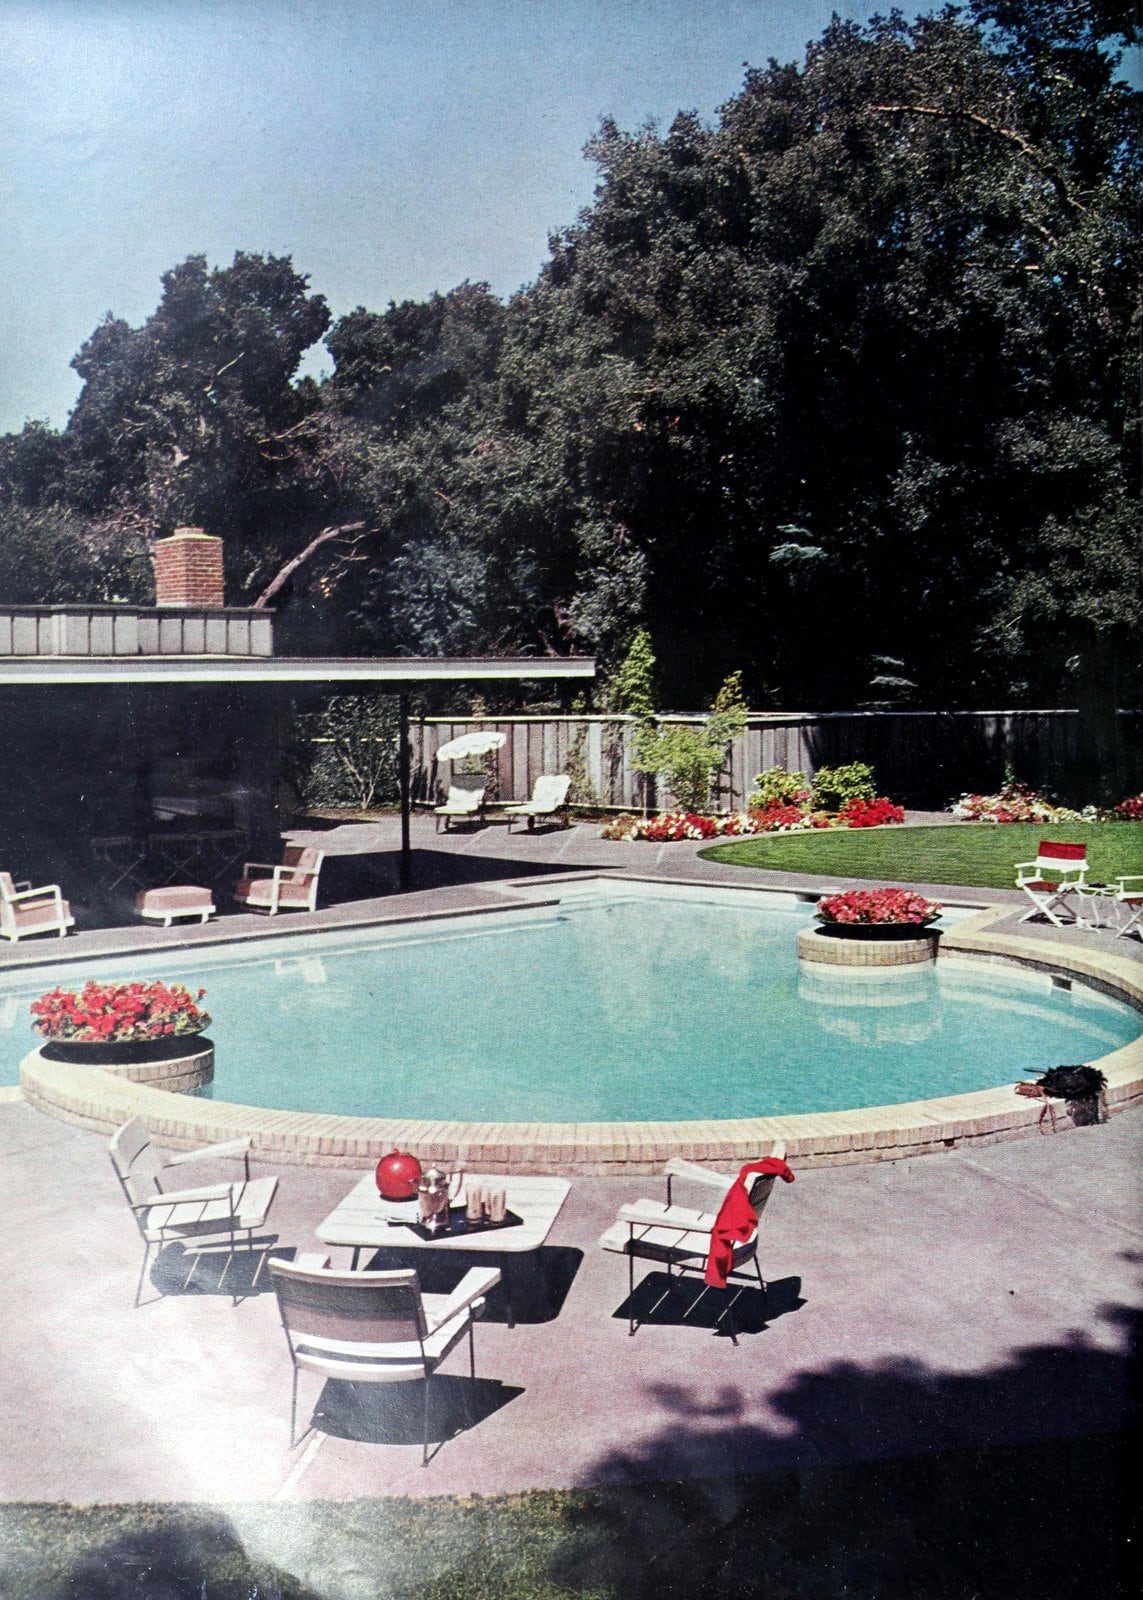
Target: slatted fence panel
(922, 757)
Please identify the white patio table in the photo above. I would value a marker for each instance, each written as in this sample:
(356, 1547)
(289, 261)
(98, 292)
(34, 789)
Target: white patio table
(363, 1221)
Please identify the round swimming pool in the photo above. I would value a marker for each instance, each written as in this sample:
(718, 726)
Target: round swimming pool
(616, 1004)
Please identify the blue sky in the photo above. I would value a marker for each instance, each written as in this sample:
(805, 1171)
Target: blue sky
(391, 147)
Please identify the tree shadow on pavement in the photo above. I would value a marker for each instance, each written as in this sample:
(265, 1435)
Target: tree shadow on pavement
(876, 1483)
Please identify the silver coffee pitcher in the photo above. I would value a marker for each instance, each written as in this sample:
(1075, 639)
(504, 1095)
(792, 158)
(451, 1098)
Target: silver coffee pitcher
(433, 1195)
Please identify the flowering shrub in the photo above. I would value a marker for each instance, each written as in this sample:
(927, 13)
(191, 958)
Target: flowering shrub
(787, 819)
(620, 827)
(736, 824)
(864, 906)
(776, 786)
(1129, 810)
(1016, 802)
(777, 817)
(834, 787)
(674, 825)
(858, 813)
(105, 1012)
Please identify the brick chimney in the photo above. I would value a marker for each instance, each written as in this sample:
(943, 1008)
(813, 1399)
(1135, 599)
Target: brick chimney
(188, 569)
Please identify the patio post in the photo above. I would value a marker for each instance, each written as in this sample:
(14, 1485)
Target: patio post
(405, 870)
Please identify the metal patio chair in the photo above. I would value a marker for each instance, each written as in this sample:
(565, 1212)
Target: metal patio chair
(373, 1327)
(217, 1217)
(679, 1238)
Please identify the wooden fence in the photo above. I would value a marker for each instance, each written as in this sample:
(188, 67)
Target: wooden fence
(923, 758)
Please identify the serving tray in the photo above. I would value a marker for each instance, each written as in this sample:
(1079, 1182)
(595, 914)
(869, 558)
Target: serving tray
(458, 1223)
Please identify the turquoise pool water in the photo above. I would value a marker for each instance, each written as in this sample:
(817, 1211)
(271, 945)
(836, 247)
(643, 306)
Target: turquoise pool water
(610, 1006)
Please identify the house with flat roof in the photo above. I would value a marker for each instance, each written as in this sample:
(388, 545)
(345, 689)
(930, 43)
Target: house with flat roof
(142, 745)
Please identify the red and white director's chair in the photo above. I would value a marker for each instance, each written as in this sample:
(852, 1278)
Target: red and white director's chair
(1056, 871)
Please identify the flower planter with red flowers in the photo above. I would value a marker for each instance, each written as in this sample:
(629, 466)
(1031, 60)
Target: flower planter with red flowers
(154, 1027)
(872, 927)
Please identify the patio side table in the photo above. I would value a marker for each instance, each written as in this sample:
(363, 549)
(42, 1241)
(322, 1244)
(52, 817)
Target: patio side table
(1095, 905)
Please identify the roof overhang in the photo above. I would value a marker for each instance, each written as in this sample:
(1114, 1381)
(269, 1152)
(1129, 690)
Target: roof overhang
(382, 672)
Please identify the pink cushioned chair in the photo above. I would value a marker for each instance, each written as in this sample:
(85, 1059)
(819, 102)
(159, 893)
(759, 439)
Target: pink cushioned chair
(25, 911)
(293, 886)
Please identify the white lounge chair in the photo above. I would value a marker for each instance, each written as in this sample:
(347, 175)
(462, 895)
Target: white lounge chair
(679, 1238)
(464, 804)
(549, 795)
(373, 1327)
(25, 911)
(1047, 881)
(292, 886)
(212, 1217)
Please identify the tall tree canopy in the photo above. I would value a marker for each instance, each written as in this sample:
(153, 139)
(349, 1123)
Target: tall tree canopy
(842, 389)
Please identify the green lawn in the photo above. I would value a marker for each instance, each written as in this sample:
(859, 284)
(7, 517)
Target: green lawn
(973, 1524)
(976, 856)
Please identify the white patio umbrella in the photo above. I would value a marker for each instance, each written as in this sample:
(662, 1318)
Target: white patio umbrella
(471, 744)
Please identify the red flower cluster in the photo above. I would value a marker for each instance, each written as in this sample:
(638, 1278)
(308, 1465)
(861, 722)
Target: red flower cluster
(878, 905)
(103, 1012)
(1129, 810)
(1015, 802)
(857, 813)
(769, 819)
(674, 825)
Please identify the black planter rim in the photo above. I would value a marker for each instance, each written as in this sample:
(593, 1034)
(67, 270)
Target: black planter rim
(176, 1047)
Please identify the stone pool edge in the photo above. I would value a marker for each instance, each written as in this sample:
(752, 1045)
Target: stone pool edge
(93, 1098)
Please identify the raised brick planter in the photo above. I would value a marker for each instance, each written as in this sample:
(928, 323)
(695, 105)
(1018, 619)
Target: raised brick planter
(851, 950)
(177, 1067)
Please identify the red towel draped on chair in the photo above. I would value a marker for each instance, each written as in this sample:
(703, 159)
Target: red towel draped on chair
(736, 1221)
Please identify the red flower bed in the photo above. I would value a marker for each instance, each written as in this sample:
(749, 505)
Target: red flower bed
(858, 906)
(1129, 810)
(674, 825)
(779, 814)
(104, 1012)
(857, 813)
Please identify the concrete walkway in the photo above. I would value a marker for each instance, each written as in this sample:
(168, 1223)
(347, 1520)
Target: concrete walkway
(915, 1306)
(459, 870)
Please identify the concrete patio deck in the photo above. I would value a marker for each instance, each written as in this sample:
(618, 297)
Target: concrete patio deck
(963, 1300)
(980, 1297)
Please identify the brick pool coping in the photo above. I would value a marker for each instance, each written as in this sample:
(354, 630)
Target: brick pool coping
(93, 1098)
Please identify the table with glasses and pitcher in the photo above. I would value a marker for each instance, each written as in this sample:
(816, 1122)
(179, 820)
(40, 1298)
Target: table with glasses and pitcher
(402, 1206)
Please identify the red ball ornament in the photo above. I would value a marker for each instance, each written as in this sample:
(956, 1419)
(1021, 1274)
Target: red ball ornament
(398, 1175)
